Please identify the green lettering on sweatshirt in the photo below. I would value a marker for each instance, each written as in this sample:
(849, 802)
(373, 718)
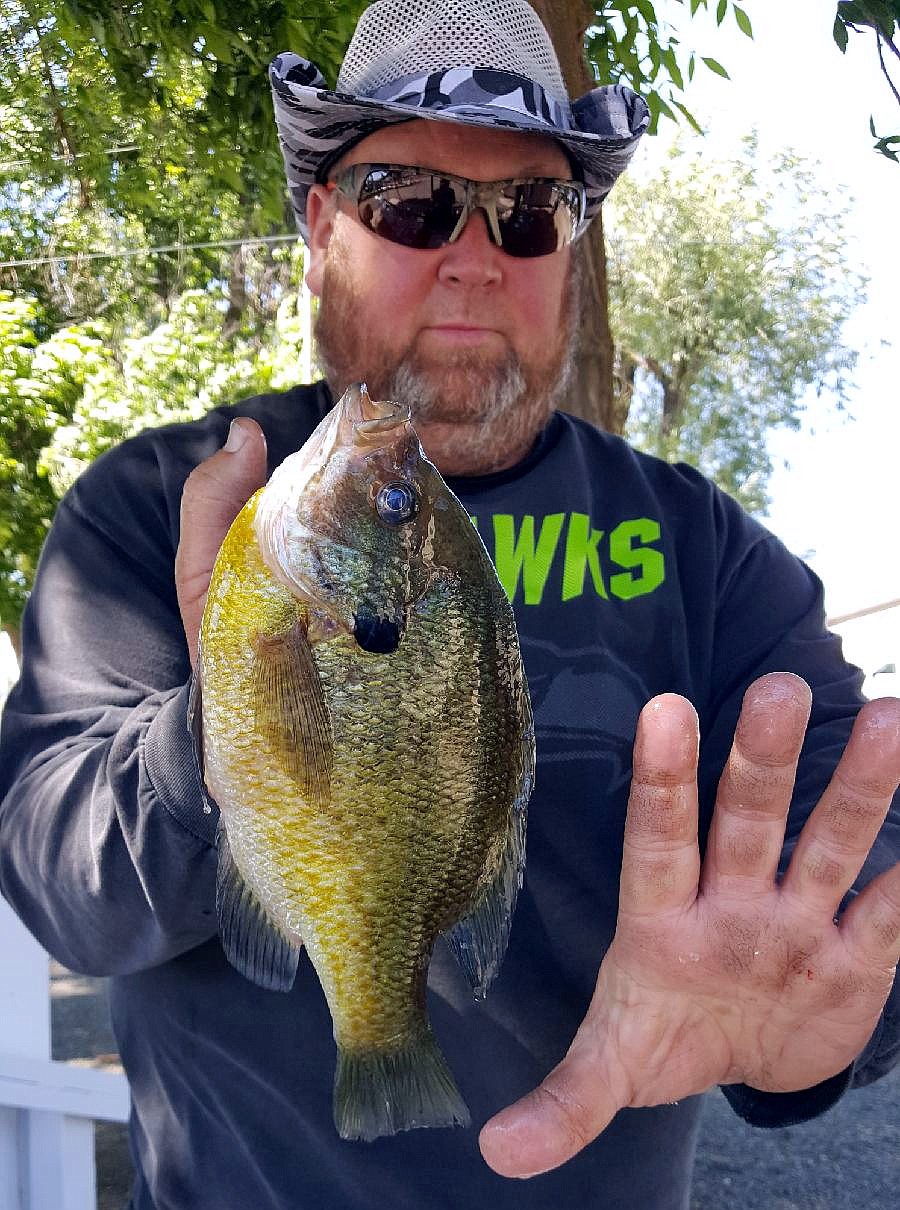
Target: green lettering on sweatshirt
(645, 560)
(581, 553)
(517, 555)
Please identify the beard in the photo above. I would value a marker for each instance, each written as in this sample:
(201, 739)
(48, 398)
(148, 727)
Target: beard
(476, 411)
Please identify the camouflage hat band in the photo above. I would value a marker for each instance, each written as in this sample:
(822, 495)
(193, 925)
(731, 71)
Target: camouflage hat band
(315, 126)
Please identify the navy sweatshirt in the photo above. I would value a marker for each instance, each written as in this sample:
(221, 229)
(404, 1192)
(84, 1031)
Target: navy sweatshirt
(629, 577)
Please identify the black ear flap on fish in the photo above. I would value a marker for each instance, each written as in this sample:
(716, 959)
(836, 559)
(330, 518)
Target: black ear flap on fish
(291, 712)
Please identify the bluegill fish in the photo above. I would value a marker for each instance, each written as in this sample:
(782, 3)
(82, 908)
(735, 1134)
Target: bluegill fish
(366, 732)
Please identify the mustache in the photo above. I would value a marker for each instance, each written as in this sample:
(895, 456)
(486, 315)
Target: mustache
(350, 350)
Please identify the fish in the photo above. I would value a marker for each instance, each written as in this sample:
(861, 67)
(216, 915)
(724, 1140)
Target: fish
(362, 723)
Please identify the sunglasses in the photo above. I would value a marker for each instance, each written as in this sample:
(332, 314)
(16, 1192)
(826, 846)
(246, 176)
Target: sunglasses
(423, 208)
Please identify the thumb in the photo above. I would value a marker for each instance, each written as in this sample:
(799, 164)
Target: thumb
(214, 493)
(554, 1122)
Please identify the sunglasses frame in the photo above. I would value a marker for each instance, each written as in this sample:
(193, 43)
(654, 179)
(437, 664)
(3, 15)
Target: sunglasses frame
(479, 195)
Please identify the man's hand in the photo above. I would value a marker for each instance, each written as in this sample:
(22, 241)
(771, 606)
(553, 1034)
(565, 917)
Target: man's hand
(214, 494)
(716, 974)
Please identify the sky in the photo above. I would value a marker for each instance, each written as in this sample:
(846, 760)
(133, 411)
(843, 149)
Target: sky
(836, 504)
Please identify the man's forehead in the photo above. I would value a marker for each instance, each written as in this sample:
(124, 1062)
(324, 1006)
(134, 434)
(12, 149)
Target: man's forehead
(474, 151)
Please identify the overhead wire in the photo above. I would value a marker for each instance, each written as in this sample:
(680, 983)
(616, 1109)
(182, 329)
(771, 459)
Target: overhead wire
(114, 254)
(6, 165)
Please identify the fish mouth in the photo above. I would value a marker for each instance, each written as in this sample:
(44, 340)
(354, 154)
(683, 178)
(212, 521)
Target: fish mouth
(371, 418)
(380, 636)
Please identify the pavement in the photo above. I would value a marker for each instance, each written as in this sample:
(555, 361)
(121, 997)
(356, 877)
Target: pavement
(845, 1160)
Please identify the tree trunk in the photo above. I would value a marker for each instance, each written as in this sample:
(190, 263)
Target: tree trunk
(237, 293)
(673, 388)
(592, 396)
(67, 145)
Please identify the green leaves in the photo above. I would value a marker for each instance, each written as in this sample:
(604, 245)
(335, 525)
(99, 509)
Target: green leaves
(217, 43)
(70, 393)
(882, 17)
(743, 21)
(631, 42)
(691, 120)
(41, 379)
(878, 14)
(715, 66)
(229, 174)
(671, 63)
(884, 144)
(120, 72)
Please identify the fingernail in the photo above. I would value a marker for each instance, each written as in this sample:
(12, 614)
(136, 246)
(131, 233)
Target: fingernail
(668, 731)
(237, 435)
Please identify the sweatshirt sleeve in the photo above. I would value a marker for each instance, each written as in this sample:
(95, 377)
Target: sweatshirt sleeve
(105, 850)
(770, 618)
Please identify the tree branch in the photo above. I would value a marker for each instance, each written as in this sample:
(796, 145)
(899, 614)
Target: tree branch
(673, 396)
(889, 42)
(879, 40)
(67, 144)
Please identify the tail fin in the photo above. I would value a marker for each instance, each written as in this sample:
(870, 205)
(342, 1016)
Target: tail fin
(380, 1092)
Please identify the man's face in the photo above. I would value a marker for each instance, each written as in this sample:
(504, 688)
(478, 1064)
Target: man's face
(475, 340)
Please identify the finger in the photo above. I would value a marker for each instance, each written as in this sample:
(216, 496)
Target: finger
(872, 921)
(747, 832)
(214, 494)
(838, 835)
(553, 1123)
(660, 858)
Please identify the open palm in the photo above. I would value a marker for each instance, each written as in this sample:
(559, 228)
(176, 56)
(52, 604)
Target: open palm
(720, 973)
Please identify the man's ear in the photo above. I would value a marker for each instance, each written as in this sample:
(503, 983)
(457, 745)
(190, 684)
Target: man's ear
(320, 207)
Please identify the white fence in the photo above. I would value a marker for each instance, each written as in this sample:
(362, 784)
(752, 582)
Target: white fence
(47, 1109)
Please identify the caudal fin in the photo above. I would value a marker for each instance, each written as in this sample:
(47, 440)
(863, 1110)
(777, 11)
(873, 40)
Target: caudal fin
(380, 1092)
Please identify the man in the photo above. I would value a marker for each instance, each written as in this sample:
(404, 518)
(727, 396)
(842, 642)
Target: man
(636, 585)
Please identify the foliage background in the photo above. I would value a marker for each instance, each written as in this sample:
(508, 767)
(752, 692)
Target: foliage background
(128, 127)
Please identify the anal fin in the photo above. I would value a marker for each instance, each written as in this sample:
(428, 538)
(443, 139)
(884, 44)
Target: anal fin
(253, 942)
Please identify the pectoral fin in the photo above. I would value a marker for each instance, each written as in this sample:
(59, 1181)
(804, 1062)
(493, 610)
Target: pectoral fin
(291, 712)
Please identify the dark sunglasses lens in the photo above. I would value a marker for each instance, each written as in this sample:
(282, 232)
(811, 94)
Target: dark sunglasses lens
(418, 212)
(537, 218)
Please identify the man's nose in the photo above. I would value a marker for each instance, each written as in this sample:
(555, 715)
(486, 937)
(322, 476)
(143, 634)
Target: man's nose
(473, 259)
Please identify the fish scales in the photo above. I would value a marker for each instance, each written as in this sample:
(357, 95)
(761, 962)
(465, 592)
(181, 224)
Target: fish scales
(431, 756)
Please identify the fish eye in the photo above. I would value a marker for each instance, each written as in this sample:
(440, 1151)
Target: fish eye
(397, 503)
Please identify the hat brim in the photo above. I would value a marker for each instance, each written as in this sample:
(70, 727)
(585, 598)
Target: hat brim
(316, 126)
